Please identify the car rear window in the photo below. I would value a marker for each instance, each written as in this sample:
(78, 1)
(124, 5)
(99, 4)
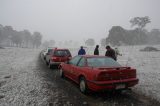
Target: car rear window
(102, 62)
(62, 53)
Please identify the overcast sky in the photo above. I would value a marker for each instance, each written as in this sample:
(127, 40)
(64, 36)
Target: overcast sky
(76, 19)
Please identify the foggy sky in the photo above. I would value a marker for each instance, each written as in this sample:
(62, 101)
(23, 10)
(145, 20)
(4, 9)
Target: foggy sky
(76, 19)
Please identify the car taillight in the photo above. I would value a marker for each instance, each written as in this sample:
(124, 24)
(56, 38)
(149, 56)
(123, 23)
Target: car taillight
(103, 77)
(134, 74)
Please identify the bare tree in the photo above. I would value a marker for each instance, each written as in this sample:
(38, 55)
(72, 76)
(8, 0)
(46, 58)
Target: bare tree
(37, 38)
(16, 38)
(141, 22)
(1, 33)
(27, 38)
(11, 37)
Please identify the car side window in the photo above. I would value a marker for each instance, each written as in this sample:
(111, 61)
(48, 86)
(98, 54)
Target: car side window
(75, 60)
(82, 62)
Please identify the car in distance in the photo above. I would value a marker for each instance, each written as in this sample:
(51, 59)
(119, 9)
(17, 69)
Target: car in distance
(56, 56)
(98, 73)
(46, 51)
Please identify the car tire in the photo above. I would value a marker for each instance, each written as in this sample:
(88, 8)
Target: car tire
(46, 63)
(61, 73)
(119, 91)
(44, 58)
(83, 85)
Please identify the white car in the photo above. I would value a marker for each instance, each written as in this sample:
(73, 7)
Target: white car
(46, 51)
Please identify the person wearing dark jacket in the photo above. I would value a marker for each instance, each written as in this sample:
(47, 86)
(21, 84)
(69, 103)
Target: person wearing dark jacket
(81, 51)
(96, 51)
(110, 53)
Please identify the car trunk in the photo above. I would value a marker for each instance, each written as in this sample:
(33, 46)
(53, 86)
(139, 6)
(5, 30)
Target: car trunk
(60, 58)
(119, 73)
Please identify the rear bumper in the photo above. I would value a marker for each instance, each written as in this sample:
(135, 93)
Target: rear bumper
(111, 85)
(55, 63)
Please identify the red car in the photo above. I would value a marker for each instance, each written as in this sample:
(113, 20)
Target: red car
(56, 56)
(98, 73)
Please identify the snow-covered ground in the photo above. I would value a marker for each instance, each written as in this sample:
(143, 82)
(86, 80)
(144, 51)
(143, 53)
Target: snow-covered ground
(19, 83)
(146, 63)
(22, 83)
(26, 81)
(148, 69)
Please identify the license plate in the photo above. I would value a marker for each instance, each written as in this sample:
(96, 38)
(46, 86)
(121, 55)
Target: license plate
(120, 86)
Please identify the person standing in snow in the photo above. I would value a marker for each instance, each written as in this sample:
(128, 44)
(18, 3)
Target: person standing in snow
(81, 51)
(110, 53)
(117, 53)
(96, 51)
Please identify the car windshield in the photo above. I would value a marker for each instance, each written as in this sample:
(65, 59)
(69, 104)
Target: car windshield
(102, 62)
(62, 53)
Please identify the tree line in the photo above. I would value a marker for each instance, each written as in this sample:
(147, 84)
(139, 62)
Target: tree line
(138, 36)
(13, 38)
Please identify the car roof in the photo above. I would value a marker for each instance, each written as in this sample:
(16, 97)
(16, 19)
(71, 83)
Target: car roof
(59, 49)
(90, 56)
(50, 48)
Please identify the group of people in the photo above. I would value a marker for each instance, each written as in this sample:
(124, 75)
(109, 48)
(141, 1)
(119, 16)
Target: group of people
(113, 53)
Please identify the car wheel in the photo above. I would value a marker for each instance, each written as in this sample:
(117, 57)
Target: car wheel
(44, 58)
(83, 85)
(119, 91)
(46, 63)
(61, 73)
